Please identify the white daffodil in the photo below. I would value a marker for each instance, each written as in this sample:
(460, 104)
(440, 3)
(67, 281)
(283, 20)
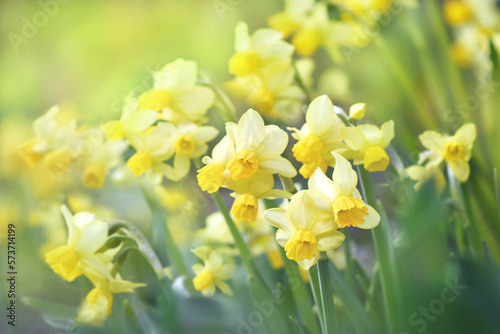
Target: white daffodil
(422, 174)
(318, 137)
(132, 121)
(304, 229)
(211, 177)
(343, 200)
(455, 150)
(218, 266)
(248, 192)
(176, 95)
(257, 147)
(85, 236)
(254, 53)
(368, 143)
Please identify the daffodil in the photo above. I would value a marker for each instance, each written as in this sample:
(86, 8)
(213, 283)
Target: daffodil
(257, 147)
(211, 177)
(132, 121)
(341, 198)
(457, 12)
(423, 174)
(190, 142)
(217, 267)
(304, 229)
(318, 137)
(175, 94)
(258, 51)
(368, 143)
(85, 236)
(98, 303)
(273, 93)
(248, 192)
(455, 150)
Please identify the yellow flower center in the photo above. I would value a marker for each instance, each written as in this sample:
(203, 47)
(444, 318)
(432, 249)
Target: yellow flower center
(114, 130)
(211, 177)
(302, 245)
(456, 12)
(275, 259)
(58, 161)
(155, 99)
(376, 159)
(97, 295)
(307, 170)
(453, 151)
(184, 145)
(139, 163)
(460, 55)
(245, 208)
(283, 23)
(263, 101)
(349, 211)
(64, 260)
(94, 175)
(203, 281)
(243, 165)
(308, 149)
(27, 154)
(244, 63)
(306, 42)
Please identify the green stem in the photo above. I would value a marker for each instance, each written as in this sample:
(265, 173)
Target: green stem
(245, 253)
(300, 82)
(384, 253)
(347, 247)
(316, 290)
(325, 287)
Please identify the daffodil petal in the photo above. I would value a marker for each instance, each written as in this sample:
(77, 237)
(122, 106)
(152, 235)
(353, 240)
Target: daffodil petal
(371, 220)
(331, 240)
(278, 217)
(320, 115)
(320, 182)
(344, 177)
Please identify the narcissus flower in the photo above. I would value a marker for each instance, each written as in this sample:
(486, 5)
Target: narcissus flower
(248, 192)
(254, 53)
(457, 12)
(132, 121)
(318, 137)
(175, 94)
(422, 174)
(211, 177)
(217, 267)
(257, 147)
(85, 236)
(304, 229)
(342, 198)
(455, 150)
(368, 143)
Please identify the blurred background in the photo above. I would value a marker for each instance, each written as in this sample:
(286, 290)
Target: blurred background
(88, 55)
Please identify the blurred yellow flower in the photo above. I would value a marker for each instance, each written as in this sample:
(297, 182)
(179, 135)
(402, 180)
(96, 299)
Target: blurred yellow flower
(367, 143)
(175, 94)
(455, 150)
(304, 229)
(217, 267)
(456, 12)
(211, 177)
(342, 198)
(422, 174)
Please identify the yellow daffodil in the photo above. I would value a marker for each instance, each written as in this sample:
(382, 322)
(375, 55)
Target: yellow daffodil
(368, 144)
(211, 177)
(341, 197)
(248, 192)
(318, 137)
(455, 150)
(85, 236)
(256, 52)
(273, 93)
(422, 174)
(304, 229)
(175, 94)
(98, 303)
(457, 12)
(217, 267)
(257, 147)
(132, 121)
(357, 111)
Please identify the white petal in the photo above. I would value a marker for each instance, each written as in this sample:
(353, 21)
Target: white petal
(204, 134)
(177, 76)
(140, 120)
(330, 240)
(433, 141)
(372, 220)
(275, 141)
(224, 287)
(387, 132)
(92, 236)
(355, 138)
(460, 169)
(307, 264)
(194, 102)
(281, 237)
(251, 130)
(242, 38)
(277, 217)
(273, 163)
(320, 115)
(320, 182)
(466, 134)
(344, 177)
